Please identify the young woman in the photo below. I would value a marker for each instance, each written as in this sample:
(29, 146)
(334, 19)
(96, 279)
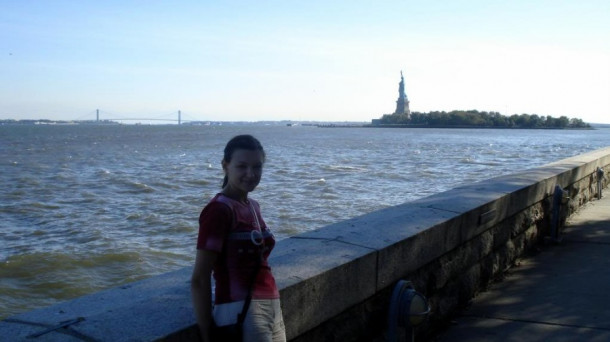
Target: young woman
(234, 244)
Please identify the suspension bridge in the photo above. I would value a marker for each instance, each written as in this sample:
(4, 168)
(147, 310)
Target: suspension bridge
(171, 117)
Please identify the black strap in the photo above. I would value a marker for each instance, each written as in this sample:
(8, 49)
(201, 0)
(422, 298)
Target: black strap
(242, 316)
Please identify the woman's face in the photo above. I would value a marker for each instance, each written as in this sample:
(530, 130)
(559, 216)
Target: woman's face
(244, 171)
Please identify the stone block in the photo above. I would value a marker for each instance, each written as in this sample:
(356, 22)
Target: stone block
(320, 278)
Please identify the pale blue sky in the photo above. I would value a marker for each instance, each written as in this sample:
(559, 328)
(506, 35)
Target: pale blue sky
(306, 60)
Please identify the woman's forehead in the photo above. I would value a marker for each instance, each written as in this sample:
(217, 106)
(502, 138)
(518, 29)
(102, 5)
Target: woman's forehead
(243, 155)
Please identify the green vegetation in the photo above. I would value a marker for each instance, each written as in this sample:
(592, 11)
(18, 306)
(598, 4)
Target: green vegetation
(474, 118)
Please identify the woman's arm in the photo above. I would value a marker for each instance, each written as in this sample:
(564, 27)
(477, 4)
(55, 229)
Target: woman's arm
(201, 290)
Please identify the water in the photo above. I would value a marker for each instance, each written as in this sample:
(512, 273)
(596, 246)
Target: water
(84, 208)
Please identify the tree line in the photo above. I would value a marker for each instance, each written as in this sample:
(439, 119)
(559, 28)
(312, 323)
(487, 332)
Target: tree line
(474, 118)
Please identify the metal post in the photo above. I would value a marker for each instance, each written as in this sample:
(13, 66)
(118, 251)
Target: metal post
(97, 115)
(600, 185)
(559, 196)
(179, 117)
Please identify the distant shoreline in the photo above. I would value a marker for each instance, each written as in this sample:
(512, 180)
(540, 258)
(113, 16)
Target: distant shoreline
(593, 126)
(320, 124)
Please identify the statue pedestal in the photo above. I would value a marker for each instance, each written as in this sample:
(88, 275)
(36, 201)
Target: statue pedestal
(402, 106)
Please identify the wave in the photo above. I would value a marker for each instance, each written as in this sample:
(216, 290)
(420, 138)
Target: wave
(473, 161)
(343, 168)
(103, 172)
(133, 187)
(39, 205)
(202, 182)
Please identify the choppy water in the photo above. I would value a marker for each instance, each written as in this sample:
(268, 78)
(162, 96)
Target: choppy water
(83, 208)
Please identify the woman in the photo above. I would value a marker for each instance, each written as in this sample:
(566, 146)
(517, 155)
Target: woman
(234, 242)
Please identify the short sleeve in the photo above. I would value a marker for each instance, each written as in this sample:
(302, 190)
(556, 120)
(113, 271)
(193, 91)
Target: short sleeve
(215, 222)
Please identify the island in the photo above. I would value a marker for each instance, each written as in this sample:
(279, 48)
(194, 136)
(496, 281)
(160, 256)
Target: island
(477, 119)
(403, 117)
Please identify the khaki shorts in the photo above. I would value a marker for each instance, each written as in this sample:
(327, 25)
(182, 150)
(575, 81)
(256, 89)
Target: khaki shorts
(264, 321)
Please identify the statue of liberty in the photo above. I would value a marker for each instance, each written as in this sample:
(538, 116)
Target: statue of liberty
(401, 87)
(402, 104)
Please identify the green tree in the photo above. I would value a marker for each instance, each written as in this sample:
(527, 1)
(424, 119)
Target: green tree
(563, 121)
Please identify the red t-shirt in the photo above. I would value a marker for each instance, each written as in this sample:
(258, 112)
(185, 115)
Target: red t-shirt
(225, 227)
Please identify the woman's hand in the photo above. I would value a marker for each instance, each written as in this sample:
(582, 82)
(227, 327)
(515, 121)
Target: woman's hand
(201, 290)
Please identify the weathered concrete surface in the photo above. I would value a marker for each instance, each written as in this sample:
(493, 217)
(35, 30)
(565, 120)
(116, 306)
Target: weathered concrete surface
(335, 282)
(320, 278)
(142, 311)
(561, 294)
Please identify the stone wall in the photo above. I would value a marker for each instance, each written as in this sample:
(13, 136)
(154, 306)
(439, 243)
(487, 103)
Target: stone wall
(336, 281)
(450, 246)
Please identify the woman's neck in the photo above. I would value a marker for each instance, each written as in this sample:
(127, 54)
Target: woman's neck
(235, 195)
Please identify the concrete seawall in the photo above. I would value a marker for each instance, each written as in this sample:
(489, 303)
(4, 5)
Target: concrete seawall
(336, 281)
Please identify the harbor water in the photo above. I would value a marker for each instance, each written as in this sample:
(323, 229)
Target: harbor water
(89, 207)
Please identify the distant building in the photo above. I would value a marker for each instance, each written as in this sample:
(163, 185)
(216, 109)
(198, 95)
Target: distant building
(402, 104)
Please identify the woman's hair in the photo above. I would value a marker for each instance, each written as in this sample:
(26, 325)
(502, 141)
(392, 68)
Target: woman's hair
(241, 142)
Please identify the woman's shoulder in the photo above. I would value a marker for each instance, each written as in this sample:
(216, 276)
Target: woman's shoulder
(226, 200)
(221, 200)
(220, 197)
(219, 203)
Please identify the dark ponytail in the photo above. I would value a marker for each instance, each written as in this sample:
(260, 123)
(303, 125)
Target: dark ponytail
(240, 142)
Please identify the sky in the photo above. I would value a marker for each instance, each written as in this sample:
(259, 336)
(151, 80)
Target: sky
(302, 60)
